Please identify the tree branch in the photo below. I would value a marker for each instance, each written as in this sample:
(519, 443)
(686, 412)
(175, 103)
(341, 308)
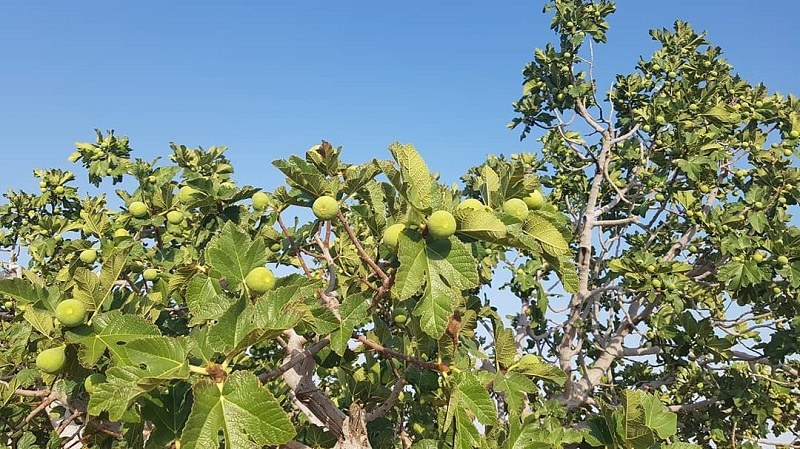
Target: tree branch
(319, 409)
(387, 405)
(391, 353)
(294, 360)
(361, 253)
(694, 407)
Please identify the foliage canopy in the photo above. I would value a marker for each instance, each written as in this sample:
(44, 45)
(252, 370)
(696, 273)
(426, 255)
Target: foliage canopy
(657, 280)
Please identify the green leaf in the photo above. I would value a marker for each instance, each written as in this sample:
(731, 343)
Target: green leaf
(473, 396)
(358, 176)
(110, 331)
(353, 312)
(505, 347)
(640, 421)
(96, 223)
(148, 362)
(742, 274)
(416, 177)
(205, 299)
(94, 291)
(233, 254)
(27, 441)
(22, 291)
(248, 416)
(441, 269)
(490, 186)
(244, 324)
(168, 412)
(540, 228)
(658, 417)
(16, 337)
(515, 387)
(722, 113)
(480, 224)
(758, 221)
(534, 437)
(467, 436)
(304, 176)
(41, 320)
(566, 270)
(425, 444)
(599, 433)
(532, 365)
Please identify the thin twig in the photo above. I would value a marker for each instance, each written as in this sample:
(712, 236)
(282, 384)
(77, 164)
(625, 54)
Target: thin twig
(391, 353)
(294, 246)
(361, 253)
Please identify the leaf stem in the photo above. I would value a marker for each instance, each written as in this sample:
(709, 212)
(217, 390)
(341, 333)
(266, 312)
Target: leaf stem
(198, 370)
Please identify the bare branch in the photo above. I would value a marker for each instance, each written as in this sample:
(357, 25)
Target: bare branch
(294, 360)
(617, 222)
(694, 407)
(391, 353)
(294, 246)
(387, 405)
(361, 253)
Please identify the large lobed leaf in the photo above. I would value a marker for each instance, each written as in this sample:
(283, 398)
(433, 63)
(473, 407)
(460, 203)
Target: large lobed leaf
(532, 365)
(440, 269)
(205, 299)
(244, 324)
(144, 364)
(233, 254)
(304, 176)
(94, 291)
(639, 422)
(22, 291)
(353, 312)
(248, 416)
(480, 224)
(110, 331)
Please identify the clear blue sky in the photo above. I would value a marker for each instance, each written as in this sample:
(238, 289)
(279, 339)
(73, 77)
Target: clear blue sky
(271, 78)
